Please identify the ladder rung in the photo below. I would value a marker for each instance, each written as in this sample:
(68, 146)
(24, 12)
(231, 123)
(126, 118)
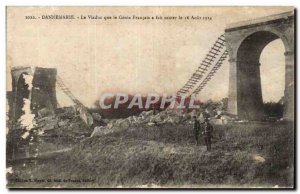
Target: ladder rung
(218, 46)
(207, 62)
(215, 49)
(214, 53)
(204, 69)
(210, 56)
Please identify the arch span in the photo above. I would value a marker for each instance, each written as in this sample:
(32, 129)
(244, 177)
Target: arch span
(248, 74)
(245, 42)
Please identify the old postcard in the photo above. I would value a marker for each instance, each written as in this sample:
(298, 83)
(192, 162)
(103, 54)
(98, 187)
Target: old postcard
(150, 97)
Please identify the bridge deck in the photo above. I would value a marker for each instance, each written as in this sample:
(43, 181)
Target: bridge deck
(259, 21)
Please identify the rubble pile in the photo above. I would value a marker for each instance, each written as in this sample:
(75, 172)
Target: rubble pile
(54, 131)
(150, 118)
(64, 123)
(146, 118)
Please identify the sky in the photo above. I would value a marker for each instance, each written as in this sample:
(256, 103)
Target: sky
(133, 56)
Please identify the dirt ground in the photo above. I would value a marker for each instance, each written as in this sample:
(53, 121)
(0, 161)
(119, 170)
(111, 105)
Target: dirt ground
(252, 154)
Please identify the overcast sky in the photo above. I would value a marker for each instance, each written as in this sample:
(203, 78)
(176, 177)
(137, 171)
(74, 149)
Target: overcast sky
(133, 56)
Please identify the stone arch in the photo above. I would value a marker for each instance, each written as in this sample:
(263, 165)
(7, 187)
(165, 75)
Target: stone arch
(248, 73)
(245, 42)
(260, 33)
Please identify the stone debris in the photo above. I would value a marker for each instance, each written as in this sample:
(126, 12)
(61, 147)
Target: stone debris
(96, 116)
(221, 120)
(44, 112)
(25, 135)
(258, 158)
(52, 131)
(146, 118)
(241, 121)
(9, 170)
(168, 116)
(63, 123)
(85, 115)
(66, 125)
(99, 131)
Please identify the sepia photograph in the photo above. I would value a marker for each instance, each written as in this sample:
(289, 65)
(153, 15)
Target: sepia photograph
(150, 97)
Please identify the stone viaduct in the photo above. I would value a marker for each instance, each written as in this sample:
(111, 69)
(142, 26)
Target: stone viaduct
(245, 42)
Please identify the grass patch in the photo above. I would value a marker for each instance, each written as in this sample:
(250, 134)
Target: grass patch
(243, 155)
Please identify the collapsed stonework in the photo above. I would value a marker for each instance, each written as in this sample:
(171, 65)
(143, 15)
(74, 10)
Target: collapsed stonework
(44, 89)
(33, 89)
(42, 94)
(165, 117)
(35, 122)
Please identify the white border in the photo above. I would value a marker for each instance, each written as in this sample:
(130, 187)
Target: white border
(5, 3)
